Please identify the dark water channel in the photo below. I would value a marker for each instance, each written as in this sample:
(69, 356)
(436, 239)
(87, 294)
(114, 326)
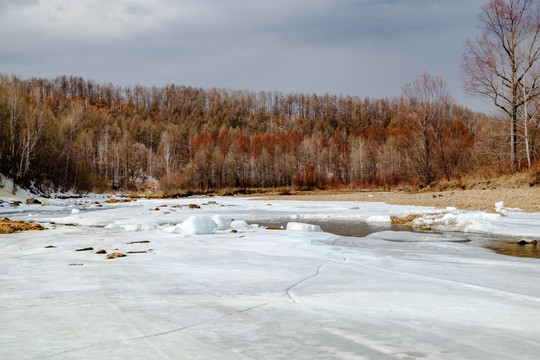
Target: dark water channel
(506, 245)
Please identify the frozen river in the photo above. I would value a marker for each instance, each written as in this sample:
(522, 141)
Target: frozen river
(255, 293)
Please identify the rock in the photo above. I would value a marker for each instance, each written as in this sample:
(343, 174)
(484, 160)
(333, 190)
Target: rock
(33, 201)
(234, 231)
(194, 206)
(115, 255)
(527, 242)
(85, 249)
(138, 242)
(50, 247)
(101, 251)
(16, 203)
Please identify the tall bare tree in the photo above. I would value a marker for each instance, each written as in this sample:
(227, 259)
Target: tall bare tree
(427, 105)
(496, 63)
(167, 150)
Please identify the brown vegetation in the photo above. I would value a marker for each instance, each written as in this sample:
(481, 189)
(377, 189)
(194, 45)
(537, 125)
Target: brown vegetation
(114, 201)
(71, 133)
(10, 226)
(405, 220)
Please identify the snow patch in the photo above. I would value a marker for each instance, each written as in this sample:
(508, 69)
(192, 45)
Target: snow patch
(460, 221)
(500, 208)
(6, 190)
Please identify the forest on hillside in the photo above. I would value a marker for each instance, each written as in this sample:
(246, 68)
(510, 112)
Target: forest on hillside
(72, 133)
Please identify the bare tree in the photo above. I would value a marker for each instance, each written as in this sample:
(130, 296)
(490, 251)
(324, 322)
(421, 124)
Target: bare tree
(526, 93)
(167, 150)
(427, 103)
(15, 105)
(496, 63)
(34, 123)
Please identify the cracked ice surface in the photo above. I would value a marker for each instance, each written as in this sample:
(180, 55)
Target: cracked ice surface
(257, 293)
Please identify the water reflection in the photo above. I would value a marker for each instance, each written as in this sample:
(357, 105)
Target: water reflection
(513, 249)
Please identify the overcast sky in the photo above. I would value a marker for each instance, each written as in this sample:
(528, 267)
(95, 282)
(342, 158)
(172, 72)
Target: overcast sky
(367, 48)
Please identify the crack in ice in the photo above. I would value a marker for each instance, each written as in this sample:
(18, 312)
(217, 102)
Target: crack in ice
(288, 290)
(172, 331)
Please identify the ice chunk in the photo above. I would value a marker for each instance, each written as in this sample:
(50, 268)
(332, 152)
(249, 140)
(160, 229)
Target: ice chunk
(303, 227)
(198, 225)
(379, 219)
(149, 227)
(222, 222)
(75, 211)
(173, 229)
(131, 227)
(239, 225)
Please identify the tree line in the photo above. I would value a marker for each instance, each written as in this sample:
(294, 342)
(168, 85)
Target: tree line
(72, 133)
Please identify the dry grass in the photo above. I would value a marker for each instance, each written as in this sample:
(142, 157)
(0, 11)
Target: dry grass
(493, 177)
(114, 201)
(11, 226)
(405, 221)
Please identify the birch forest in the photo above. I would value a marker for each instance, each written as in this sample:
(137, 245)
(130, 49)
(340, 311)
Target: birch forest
(69, 133)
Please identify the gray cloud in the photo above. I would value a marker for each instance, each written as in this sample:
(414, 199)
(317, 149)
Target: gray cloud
(9, 4)
(359, 47)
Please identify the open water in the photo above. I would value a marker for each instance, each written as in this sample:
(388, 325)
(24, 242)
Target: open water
(506, 245)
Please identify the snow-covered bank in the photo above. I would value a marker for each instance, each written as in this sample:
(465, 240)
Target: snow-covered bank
(8, 190)
(256, 293)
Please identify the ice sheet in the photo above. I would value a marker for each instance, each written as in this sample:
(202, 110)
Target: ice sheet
(257, 293)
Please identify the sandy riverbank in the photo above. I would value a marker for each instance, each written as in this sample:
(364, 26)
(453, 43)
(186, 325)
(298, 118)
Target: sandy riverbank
(526, 199)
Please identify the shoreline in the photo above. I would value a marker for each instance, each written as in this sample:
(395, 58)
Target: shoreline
(524, 199)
